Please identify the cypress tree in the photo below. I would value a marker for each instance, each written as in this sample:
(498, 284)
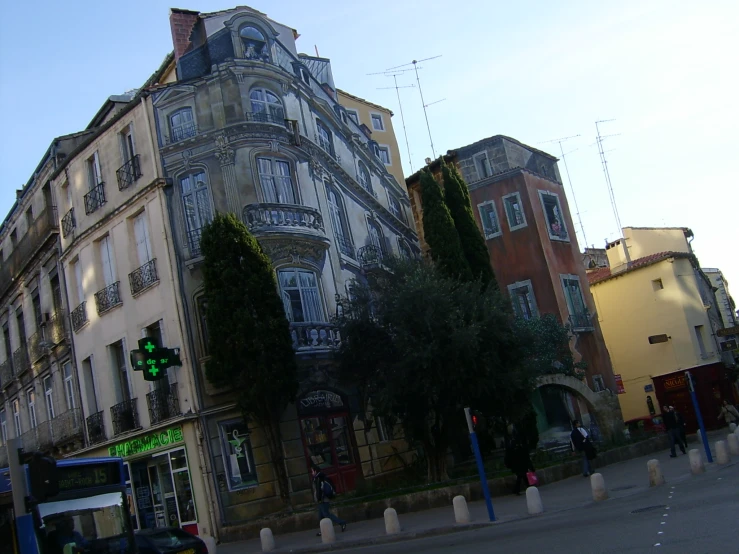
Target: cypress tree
(248, 334)
(439, 231)
(457, 199)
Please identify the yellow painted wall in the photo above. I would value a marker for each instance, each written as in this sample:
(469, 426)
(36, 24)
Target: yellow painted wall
(642, 241)
(631, 308)
(384, 138)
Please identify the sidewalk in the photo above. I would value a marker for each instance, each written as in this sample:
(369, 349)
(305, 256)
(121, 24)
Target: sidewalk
(622, 479)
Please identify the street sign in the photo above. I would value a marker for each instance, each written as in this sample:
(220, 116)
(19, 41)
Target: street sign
(154, 360)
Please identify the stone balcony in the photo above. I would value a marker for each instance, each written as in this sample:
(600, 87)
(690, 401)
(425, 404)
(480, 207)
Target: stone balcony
(284, 219)
(315, 337)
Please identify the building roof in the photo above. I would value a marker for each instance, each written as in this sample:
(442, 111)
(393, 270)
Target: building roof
(604, 273)
(514, 141)
(360, 99)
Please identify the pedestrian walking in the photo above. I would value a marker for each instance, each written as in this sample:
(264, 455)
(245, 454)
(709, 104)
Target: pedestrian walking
(673, 432)
(680, 425)
(323, 492)
(580, 442)
(517, 459)
(729, 413)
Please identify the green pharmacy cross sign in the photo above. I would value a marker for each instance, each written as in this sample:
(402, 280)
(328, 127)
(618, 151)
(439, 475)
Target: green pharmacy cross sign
(154, 360)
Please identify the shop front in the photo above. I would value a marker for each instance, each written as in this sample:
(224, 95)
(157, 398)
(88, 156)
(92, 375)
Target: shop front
(159, 481)
(327, 435)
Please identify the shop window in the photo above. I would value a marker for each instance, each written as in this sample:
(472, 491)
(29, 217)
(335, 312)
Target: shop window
(238, 458)
(553, 214)
(327, 441)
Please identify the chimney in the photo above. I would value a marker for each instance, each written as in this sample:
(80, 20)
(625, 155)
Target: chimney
(181, 22)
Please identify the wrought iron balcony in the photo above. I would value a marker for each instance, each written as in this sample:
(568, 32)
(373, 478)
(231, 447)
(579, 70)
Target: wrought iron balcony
(266, 219)
(95, 198)
(21, 362)
(262, 117)
(182, 132)
(125, 417)
(68, 223)
(108, 298)
(79, 316)
(163, 403)
(68, 426)
(346, 247)
(143, 277)
(129, 172)
(371, 256)
(96, 428)
(314, 336)
(6, 373)
(56, 329)
(581, 322)
(36, 346)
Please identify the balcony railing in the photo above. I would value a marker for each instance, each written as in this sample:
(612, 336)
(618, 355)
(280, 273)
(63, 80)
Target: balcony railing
(163, 403)
(581, 322)
(38, 233)
(56, 328)
(79, 316)
(6, 373)
(67, 426)
(262, 117)
(143, 277)
(68, 223)
(96, 428)
(129, 172)
(36, 346)
(371, 255)
(21, 362)
(345, 247)
(193, 242)
(108, 298)
(125, 417)
(38, 439)
(283, 217)
(182, 132)
(315, 336)
(95, 198)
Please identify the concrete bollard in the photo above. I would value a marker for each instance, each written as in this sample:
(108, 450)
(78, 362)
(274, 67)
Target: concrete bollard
(461, 511)
(598, 484)
(392, 525)
(696, 462)
(533, 501)
(733, 442)
(268, 540)
(722, 453)
(210, 543)
(328, 535)
(699, 437)
(655, 473)
(732, 427)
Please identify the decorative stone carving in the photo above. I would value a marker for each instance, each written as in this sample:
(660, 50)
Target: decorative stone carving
(294, 252)
(187, 158)
(317, 168)
(224, 152)
(274, 146)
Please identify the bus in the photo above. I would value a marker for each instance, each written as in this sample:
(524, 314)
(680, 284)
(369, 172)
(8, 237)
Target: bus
(90, 510)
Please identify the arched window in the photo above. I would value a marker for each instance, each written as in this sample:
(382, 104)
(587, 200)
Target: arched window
(338, 221)
(300, 296)
(255, 45)
(404, 249)
(266, 106)
(376, 237)
(364, 176)
(181, 125)
(276, 181)
(197, 207)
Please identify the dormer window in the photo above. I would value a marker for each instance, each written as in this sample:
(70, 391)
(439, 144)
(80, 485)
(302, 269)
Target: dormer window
(255, 45)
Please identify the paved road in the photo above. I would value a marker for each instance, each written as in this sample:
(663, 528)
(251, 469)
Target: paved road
(694, 515)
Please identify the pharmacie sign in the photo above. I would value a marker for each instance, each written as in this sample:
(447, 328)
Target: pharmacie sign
(152, 441)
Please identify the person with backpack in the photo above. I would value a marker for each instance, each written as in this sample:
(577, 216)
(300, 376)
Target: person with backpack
(323, 492)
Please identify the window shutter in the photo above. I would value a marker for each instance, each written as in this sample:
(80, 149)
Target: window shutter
(141, 234)
(107, 260)
(78, 278)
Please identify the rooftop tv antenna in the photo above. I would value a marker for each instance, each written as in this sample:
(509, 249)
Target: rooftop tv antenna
(415, 63)
(599, 141)
(569, 180)
(394, 75)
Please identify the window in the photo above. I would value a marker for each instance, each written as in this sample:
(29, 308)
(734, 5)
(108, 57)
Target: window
(394, 206)
(514, 211)
(598, 383)
(353, 115)
(202, 303)
(300, 296)
(338, 221)
(36, 303)
(553, 215)
(17, 417)
(4, 426)
(266, 106)
(404, 249)
(141, 236)
(701, 342)
(198, 211)
(31, 399)
(482, 165)
(579, 316)
(544, 171)
(181, 125)
(238, 459)
(69, 386)
(13, 240)
(106, 260)
(384, 431)
(21, 322)
(127, 147)
(49, 397)
(376, 236)
(77, 269)
(657, 285)
(383, 152)
(56, 293)
(88, 378)
(489, 218)
(522, 298)
(255, 45)
(377, 123)
(120, 371)
(29, 217)
(93, 171)
(6, 342)
(364, 176)
(324, 137)
(276, 181)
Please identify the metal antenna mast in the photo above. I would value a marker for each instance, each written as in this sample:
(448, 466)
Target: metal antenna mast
(402, 117)
(604, 163)
(420, 90)
(569, 180)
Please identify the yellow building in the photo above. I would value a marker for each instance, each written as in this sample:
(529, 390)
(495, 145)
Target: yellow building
(659, 318)
(377, 121)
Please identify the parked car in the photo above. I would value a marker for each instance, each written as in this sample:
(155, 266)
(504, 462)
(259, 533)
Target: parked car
(168, 540)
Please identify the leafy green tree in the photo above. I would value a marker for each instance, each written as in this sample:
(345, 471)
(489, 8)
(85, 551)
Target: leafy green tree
(548, 346)
(425, 345)
(457, 199)
(439, 231)
(249, 338)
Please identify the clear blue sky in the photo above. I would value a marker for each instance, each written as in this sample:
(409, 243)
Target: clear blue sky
(537, 71)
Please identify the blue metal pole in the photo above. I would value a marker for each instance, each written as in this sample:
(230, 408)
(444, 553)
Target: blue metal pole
(483, 479)
(699, 417)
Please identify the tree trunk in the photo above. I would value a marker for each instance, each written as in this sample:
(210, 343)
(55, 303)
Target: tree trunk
(436, 462)
(274, 443)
